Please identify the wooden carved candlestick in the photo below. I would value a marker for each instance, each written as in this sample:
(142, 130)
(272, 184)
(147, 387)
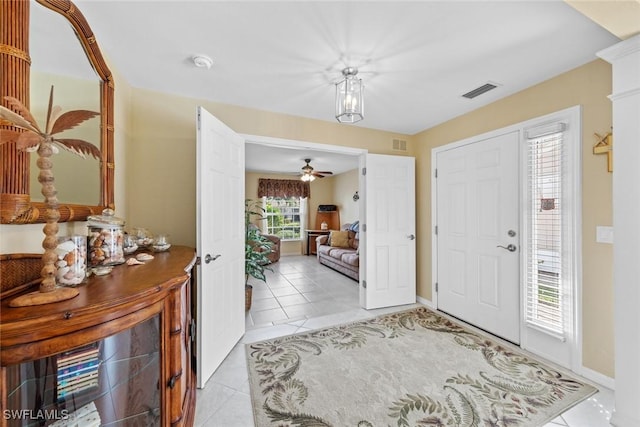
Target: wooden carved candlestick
(45, 144)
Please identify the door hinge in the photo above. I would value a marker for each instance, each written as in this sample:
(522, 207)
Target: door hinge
(192, 330)
(436, 286)
(436, 173)
(364, 284)
(364, 171)
(436, 230)
(198, 124)
(364, 228)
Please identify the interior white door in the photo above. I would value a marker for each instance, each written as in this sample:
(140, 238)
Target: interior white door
(220, 242)
(390, 246)
(477, 234)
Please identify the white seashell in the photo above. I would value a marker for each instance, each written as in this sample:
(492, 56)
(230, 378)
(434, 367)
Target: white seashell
(144, 257)
(101, 271)
(61, 263)
(62, 271)
(133, 261)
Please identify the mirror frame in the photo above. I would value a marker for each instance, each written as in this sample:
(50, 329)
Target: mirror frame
(20, 209)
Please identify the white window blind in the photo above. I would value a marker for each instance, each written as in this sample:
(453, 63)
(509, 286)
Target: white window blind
(544, 270)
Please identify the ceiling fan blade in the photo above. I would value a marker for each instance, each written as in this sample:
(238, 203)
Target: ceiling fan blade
(318, 173)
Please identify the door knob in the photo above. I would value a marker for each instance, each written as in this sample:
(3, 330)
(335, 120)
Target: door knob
(411, 237)
(208, 258)
(510, 248)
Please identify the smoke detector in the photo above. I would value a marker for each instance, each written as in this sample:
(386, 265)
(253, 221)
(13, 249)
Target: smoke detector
(202, 61)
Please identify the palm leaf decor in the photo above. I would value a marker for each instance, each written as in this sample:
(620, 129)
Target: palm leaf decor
(45, 144)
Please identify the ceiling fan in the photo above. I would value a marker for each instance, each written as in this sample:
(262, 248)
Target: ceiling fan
(309, 174)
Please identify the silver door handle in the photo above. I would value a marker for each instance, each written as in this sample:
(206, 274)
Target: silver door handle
(510, 248)
(411, 237)
(208, 258)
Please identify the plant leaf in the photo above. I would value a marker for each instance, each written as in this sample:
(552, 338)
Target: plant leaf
(53, 116)
(28, 140)
(49, 121)
(8, 135)
(16, 120)
(70, 119)
(22, 110)
(78, 146)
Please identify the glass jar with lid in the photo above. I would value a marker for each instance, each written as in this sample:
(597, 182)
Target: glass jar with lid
(106, 239)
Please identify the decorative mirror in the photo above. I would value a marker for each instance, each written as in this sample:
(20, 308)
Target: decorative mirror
(19, 200)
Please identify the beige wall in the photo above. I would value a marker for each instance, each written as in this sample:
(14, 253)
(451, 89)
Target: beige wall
(345, 185)
(588, 86)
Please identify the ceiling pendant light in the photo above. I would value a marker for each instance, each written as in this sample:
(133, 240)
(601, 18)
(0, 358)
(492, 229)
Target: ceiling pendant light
(349, 97)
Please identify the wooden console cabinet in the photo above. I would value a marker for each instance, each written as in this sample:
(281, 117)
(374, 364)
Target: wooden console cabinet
(122, 348)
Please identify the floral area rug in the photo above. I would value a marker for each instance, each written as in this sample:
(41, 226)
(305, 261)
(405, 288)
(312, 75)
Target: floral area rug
(411, 368)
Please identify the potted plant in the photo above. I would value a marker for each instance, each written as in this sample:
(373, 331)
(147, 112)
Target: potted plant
(256, 248)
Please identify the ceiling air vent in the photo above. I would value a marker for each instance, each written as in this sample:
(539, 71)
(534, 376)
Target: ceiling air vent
(479, 90)
(399, 145)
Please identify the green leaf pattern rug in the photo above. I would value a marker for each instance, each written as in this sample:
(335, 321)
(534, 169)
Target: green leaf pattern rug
(411, 368)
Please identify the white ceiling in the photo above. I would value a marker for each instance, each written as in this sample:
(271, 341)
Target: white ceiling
(274, 159)
(416, 58)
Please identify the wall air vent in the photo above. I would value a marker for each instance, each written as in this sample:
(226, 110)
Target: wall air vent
(479, 90)
(399, 145)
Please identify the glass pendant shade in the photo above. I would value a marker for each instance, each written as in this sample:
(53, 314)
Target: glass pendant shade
(307, 177)
(349, 97)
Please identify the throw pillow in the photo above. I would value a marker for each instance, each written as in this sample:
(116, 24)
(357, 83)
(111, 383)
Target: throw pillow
(339, 239)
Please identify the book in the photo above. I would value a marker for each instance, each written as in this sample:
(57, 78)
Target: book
(76, 380)
(64, 360)
(69, 370)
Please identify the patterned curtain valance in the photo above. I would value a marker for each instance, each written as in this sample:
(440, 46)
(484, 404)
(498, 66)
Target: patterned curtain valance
(283, 188)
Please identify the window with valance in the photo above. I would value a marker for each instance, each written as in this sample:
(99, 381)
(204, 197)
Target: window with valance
(283, 188)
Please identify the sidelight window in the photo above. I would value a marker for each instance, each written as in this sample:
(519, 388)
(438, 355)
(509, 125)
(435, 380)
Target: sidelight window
(549, 278)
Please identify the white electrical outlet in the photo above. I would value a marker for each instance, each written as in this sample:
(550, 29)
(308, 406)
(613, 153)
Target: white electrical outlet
(604, 234)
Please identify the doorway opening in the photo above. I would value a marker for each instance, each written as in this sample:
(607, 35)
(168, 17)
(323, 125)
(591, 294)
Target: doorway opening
(299, 286)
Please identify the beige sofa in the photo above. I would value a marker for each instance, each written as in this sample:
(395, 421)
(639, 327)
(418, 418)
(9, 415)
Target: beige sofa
(341, 255)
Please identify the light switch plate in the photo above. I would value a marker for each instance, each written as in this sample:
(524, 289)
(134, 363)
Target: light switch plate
(604, 234)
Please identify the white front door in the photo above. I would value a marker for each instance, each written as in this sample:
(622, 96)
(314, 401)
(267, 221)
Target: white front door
(478, 234)
(389, 240)
(220, 242)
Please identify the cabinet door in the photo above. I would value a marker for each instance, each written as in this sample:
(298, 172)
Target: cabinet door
(180, 385)
(332, 218)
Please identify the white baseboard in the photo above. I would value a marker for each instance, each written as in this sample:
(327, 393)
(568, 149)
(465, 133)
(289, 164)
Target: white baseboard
(597, 378)
(426, 302)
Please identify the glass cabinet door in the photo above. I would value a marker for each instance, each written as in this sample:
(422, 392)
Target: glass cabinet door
(111, 382)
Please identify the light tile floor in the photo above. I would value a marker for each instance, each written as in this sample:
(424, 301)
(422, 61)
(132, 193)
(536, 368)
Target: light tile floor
(301, 295)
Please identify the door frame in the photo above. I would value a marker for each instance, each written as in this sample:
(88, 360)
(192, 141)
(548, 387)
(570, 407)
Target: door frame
(574, 114)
